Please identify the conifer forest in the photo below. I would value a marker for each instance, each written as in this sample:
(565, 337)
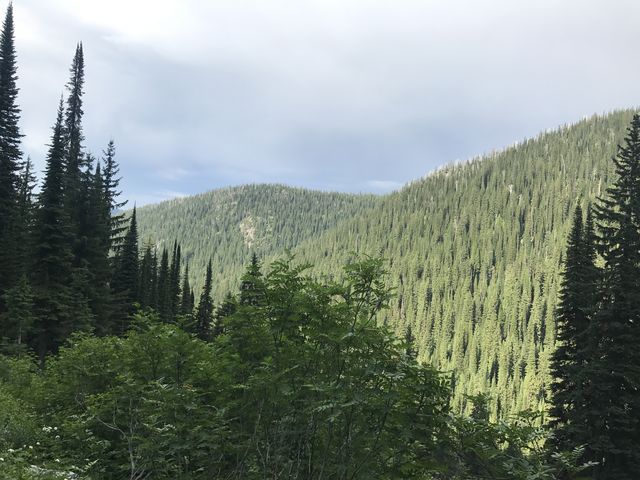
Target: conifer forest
(481, 322)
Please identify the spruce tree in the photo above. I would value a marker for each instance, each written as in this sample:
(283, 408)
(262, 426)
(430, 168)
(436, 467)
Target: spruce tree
(164, 288)
(10, 160)
(186, 306)
(575, 309)
(252, 284)
(147, 278)
(204, 313)
(126, 276)
(96, 233)
(26, 215)
(111, 180)
(613, 371)
(410, 348)
(174, 280)
(73, 129)
(227, 308)
(52, 266)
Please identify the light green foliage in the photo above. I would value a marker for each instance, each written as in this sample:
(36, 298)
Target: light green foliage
(475, 250)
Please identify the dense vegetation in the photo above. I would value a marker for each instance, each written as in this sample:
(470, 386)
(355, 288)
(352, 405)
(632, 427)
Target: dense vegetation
(228, 225)
(300, 383)
(475, 250)
(110, 369)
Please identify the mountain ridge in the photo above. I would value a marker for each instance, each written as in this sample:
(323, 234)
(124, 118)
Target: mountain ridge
(474, 251)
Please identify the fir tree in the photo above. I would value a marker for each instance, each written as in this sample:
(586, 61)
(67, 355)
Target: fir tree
(204, 313)
(10, 159)
(575, 309)
(96, 229)
(52, 254)
(410, 347)
(174, 280)
(147, 278)
(614, 369)
(73, 125)
(26, 215)
(126, 275)
(227, 308)
(252, 285)
(111, 182)
(186, 305)
(18, 318)
(164, 288)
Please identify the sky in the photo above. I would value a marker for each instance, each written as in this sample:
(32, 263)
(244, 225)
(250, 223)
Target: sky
(340, 95)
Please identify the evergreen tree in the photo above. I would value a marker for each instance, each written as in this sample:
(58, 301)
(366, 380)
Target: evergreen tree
(164, 288)
(96, 230)
(10, 159)
(147, 278)
(252, 284)
(614, 369)
(52, 254)
(126, 276)
(204, 313)
(174, 279)
(26, 216)
(410, 347)
(73, 129)
(186, 305)
(227, 308)
(111, 182)
(575, 309)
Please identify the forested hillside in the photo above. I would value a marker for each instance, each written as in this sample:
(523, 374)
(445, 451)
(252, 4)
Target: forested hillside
(229, 224)
(475, 250)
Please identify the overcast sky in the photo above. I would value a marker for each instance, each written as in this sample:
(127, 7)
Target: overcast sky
(347, 95)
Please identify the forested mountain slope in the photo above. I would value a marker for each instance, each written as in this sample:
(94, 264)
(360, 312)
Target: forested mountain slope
(475, 250)
(228, 224)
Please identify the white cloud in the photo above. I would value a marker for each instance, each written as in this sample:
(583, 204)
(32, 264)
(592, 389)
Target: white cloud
(308, 91)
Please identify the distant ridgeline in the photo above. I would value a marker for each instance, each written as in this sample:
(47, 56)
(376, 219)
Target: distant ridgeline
(474, 250)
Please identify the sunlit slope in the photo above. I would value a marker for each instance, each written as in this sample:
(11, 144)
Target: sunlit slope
(228, 224)
(475, 253)
(474, 250)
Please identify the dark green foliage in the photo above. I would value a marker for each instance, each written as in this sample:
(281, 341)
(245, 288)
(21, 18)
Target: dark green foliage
(251, 284)
(576, 307)
(307, 377)
(10, 161)
(204, 313)
(164, 288)
(18, 317)
(613, 370)
(73, 131)
(174, 279)
(111, 182)
(186, 300)
(227, 308)
(126, 277)
(147, 289)
(52, 267)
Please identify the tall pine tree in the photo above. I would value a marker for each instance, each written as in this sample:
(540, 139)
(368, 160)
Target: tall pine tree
(614, 368)
(52, 267)
(575, 310)
(126, 276)
(204, 313)
(10, 159)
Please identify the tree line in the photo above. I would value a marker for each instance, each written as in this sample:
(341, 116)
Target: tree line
(68, 260)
